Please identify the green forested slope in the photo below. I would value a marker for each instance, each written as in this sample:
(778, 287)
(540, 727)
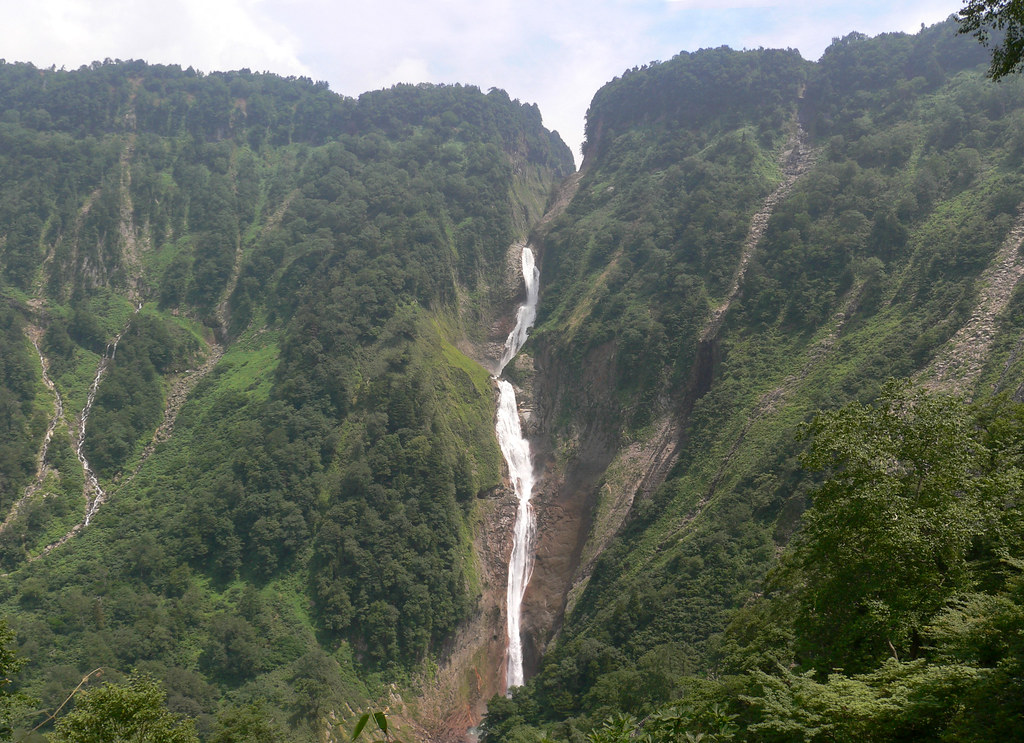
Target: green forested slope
(868, 266)
(288, 443)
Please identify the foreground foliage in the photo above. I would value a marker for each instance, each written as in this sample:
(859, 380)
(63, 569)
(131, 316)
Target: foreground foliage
(131, 712)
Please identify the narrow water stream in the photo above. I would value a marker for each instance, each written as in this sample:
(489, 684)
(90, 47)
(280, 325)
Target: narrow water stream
(58, 412)
(94, 493)
(516, 450)
(55, 419)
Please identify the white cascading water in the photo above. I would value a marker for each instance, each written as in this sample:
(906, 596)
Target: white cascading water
(95, 495)
(527, 311)
(516, 449)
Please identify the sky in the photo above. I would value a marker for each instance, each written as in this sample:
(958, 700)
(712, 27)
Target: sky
(555, 53)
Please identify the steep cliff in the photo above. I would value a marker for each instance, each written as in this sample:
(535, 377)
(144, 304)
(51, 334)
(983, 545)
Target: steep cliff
(755, 239)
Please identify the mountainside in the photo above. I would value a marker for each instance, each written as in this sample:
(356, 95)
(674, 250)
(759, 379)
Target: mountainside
(756, 239)
(241, 449)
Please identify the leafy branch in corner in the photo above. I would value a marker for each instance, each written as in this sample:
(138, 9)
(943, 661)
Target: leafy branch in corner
(1002, 18)
(96, 672)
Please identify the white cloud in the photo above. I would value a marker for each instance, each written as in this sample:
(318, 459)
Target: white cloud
(731, 4)
(209, 35)
(408, 70)
(795, 23)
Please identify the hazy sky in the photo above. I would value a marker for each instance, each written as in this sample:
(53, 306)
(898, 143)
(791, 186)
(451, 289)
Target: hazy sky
(555, 53)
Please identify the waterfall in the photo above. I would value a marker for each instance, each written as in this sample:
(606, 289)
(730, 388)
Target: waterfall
(516, 450)
(527, 311)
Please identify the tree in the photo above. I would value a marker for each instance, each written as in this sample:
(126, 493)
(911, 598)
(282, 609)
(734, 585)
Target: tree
(985, 18)
(885, 543)
(9, 665)
(249, 724)
(132, 712)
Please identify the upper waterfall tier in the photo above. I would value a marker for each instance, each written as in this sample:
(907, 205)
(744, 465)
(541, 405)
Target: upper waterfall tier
(527, 312)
